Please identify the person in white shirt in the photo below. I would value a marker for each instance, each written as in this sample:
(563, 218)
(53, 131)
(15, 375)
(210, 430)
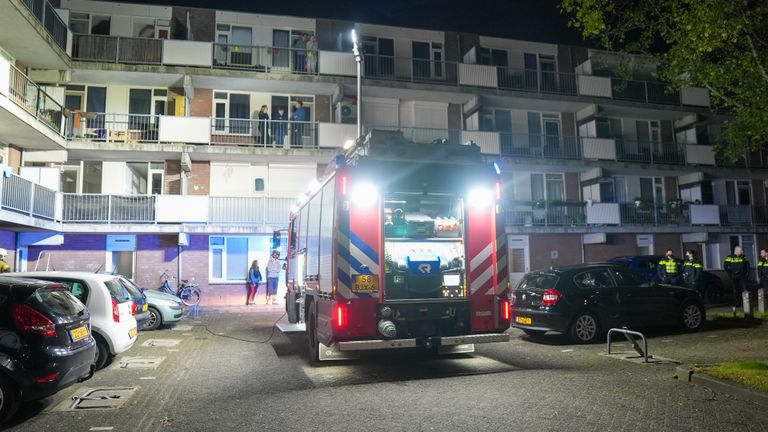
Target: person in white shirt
(274, 266)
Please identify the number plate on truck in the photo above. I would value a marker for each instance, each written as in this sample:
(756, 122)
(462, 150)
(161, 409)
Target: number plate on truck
(523, 320)
(365, 283)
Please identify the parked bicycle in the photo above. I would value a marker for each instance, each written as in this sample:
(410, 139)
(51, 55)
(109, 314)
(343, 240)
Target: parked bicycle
(188, 292)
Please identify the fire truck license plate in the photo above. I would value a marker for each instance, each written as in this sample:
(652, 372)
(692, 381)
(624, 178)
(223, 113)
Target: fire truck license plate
(365, 283)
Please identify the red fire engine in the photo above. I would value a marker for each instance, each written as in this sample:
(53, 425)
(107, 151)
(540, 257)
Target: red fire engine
(400, 245)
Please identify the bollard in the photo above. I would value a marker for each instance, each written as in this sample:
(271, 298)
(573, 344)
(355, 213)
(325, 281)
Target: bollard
(745, 298)
(761, 300)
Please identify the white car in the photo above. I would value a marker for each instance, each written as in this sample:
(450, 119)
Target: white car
(112, 324)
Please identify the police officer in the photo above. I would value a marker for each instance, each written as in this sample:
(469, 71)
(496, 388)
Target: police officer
(762, 269)
(4, 267)
(669, 269)
(737, 267)
(692, 271)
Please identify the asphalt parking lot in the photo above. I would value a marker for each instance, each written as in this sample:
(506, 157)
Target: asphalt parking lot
(216, 374)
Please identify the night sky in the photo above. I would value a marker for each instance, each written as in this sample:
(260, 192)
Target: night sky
(534, 20)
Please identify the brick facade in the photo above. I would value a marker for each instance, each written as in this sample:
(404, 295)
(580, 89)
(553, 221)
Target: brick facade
(14, 158)
(617, 245)
(568, 247)
(79, 252)
(199, 182)
(172, 177)
(155, 254)
(202, 104)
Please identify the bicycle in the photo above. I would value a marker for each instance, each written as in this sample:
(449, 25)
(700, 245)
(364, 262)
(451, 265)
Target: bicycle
(188, 292)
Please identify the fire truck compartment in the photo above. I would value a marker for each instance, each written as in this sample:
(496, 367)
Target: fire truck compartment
(414, 319)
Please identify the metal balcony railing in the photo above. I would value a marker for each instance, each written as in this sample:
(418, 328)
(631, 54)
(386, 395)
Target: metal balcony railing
(264, 133)
(543, 213)
(539, 146)
(265, 59)
(45, 13)
(666, 153)
(26, 197)
(97, 208)
(117, 49)
(113, 127)
(249, 210)
(28, 95)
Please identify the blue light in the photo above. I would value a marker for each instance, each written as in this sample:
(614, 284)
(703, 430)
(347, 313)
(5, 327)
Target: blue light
(497, 168)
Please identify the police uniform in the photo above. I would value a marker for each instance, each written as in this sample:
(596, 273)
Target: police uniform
(737, 267)
(692, 273)
(762, 272)
(669, 270)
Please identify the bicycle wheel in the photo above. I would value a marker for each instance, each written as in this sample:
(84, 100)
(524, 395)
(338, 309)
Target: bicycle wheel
(189, 297)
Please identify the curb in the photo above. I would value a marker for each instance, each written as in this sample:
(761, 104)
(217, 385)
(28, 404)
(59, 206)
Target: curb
(685, 374)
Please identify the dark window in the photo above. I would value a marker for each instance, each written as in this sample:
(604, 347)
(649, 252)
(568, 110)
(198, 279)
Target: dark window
(259, 185)
(593, 279)
(116, 290)
(630, 278)
(58, 301)
(538, 282)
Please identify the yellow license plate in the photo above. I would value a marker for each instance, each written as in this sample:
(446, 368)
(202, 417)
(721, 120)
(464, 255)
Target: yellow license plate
(523, 320)
(146, 306)
(132, 332)
(365, 283)
(79, 333)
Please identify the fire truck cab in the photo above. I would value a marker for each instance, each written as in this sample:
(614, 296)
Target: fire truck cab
(399, 245)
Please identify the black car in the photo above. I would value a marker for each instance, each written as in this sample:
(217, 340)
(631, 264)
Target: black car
(710, 284)
(586, 300)
(45, 341)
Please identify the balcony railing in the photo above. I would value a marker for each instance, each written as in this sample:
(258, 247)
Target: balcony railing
(543, 213)
(117, 49)
(28, 95)
(23, 196)
(113, 127)
(236, 210)
(264, 133)
(97, 208)
(651, 153)
(45, 13)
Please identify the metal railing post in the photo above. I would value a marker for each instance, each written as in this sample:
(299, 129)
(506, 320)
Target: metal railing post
(117, 50)
(31, 198)
(109, 209)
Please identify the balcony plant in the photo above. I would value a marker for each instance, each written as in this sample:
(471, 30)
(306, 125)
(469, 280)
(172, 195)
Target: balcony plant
(643, 203)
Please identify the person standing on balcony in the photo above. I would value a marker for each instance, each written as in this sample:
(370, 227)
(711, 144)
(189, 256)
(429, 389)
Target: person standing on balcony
(692, 271)
(254, 279)
(4, 267)
(311, 54)
(300, 53)
(737, 267)
(273, 275)
(298, 116)
(264, 125)
(279, 126)
(669, 269)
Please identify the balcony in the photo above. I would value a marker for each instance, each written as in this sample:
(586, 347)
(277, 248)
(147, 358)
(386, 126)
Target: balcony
(24, 197)
(33, 33)
(546, 214)
(29, 117)
(284, 60)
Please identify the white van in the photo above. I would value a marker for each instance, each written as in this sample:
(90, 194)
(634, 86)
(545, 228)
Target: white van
(112, 324)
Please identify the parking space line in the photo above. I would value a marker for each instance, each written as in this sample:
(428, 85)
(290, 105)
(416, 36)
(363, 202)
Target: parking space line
(101, 428)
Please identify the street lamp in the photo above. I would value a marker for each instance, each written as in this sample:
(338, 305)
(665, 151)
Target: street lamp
(358, 53)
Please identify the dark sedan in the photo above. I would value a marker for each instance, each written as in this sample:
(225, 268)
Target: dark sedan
(586, 300)
(45, 341)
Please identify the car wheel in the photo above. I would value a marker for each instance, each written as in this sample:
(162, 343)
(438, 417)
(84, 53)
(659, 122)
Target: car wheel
(102, 353)
(692, 316)
(313, 350)
(154, 321)
(10, 398)
(534, 333)
(585, 328)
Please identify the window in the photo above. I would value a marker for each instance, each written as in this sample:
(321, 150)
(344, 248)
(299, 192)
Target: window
(630, 278)
(231, 256)
(100, 24)
(593, 279)
(231, 106)
(79, 23)
(550, 187)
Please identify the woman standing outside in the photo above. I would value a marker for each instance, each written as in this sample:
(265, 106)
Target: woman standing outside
(263, 126)
(254, 279)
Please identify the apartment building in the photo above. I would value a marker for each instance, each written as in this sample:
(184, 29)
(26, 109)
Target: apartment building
(131, 140)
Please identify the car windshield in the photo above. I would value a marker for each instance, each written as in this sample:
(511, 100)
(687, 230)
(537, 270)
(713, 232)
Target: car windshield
(117, 290)
(538, 281)
(58, 301)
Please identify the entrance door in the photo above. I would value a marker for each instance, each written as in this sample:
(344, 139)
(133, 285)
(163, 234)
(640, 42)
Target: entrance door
(421, 56)
(74, 102)
(519, 258)
(281, 55)
(140, 108)
(222, 46)
(241, 52)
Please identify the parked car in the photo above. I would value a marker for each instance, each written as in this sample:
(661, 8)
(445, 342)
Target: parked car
(112, 323)
(139, 305)
(586, 300)
(711, 284)
(163, 308)
(45, 341)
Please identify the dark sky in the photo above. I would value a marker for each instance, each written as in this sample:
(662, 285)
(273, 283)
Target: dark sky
(535, 20)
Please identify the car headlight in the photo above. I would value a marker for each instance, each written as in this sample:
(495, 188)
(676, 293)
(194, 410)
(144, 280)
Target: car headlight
(167, 303)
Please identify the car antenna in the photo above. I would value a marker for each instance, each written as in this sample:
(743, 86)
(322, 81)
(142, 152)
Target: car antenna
(100, 266)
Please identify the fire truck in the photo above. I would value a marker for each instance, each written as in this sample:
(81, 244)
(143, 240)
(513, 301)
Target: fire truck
(399, 245)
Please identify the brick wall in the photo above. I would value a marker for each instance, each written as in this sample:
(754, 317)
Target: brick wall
(14, 158)
(568, 247)
(662, 242)
(199, 182)
(617, 245)
(172, 177)
(85, 252)
(202, 104)
(154, 254)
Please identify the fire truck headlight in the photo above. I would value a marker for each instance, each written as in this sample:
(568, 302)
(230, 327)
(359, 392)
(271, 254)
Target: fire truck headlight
(364, 194)
(480, 197)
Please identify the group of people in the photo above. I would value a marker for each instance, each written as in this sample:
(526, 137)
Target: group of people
(274, 266)
(277, 128)
(736, 265)
(305, 53)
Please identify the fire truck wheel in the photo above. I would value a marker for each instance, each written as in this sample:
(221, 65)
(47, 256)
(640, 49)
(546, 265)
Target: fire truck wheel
(312, 346)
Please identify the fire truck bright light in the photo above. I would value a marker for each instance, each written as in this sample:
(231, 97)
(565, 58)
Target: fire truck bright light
(349, 144)
(480, 198)
(364, 194)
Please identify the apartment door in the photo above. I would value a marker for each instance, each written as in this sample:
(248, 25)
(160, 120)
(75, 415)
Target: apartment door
(548, 68)
(379, 56)
(74, 102)
(139, 110)
(222, 44)
(95, 105)
(241, 50)
(121, 255)
(428, 60)
(281, 53)
(531, 72)
(519, 258)
(551, 135)
(534, 133)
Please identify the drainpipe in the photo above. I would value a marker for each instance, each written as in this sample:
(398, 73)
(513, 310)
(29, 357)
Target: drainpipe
(178, 264)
